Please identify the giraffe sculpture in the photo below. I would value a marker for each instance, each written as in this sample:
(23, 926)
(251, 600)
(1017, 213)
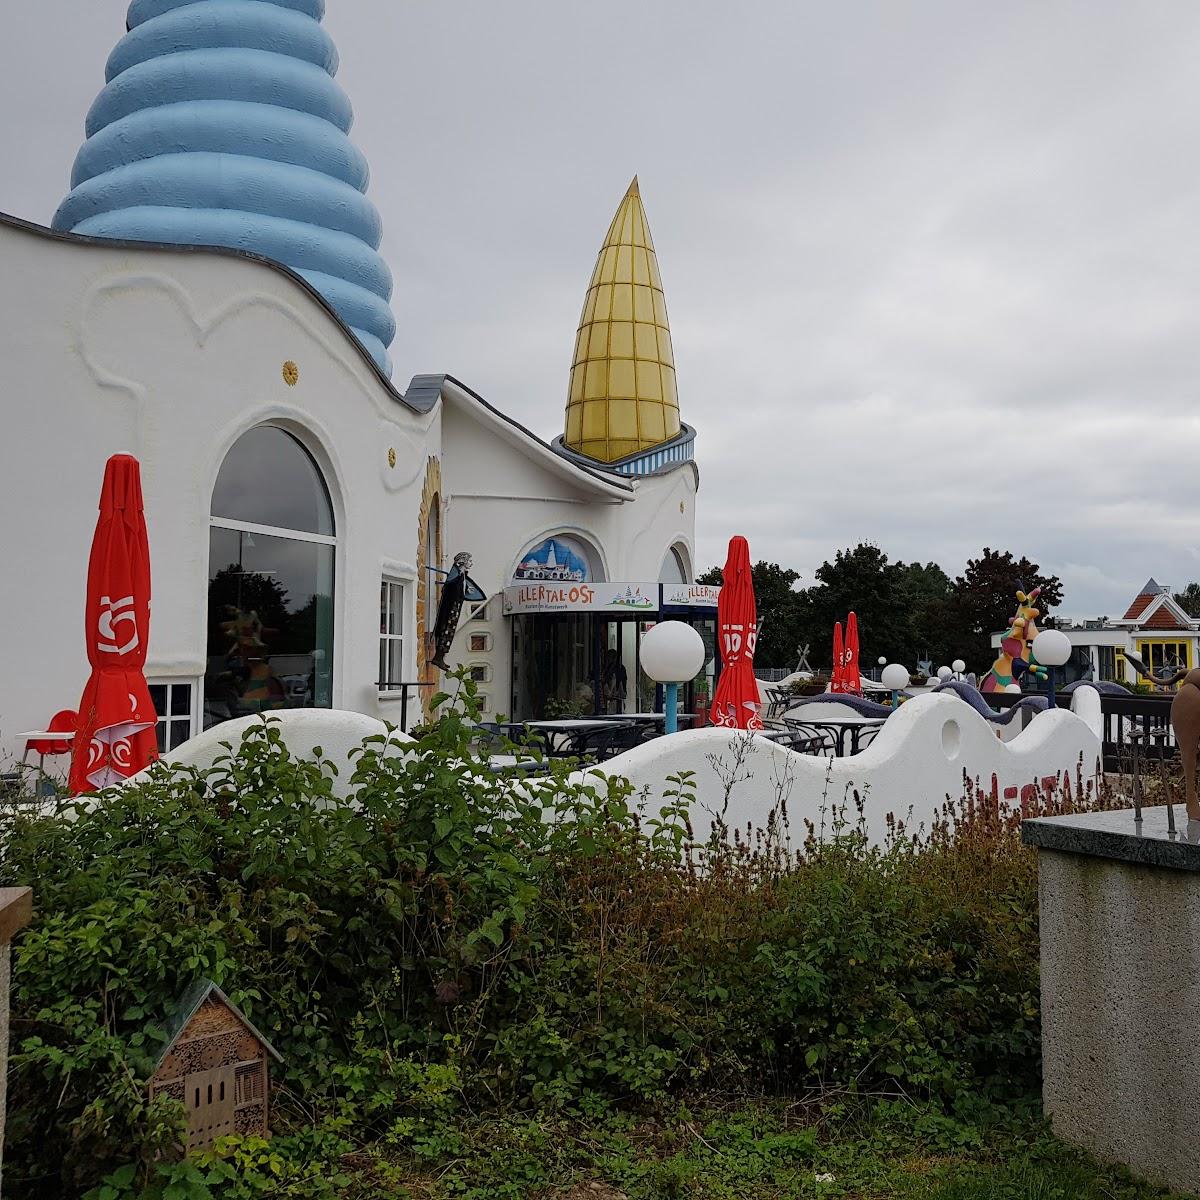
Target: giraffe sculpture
(1015, 660)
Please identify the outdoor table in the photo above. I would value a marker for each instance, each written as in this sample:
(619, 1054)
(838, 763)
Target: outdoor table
(511, 762)
(561, 732)
(839, 728)
(648, 718)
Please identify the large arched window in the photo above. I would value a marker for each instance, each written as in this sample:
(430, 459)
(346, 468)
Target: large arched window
(674, 567)
(270, 581)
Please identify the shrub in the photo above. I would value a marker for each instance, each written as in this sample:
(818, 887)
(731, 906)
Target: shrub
(448, 940)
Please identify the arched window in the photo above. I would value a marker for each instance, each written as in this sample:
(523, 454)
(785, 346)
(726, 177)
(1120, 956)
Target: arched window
(270, 581)
(674, 568)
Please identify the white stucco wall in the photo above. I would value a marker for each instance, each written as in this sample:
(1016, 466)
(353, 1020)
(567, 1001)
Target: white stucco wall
(925, 753)
(499, 505)
(171, 355)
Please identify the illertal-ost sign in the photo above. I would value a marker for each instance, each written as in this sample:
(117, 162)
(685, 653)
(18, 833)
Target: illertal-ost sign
(581, 597)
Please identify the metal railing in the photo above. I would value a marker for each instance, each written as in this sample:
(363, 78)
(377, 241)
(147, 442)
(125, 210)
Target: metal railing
(402, 686)
(1131, 725)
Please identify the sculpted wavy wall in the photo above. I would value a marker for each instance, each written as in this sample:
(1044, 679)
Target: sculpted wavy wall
(936, 748)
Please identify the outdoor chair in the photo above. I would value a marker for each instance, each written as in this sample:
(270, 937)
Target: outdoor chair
(799, 739)
(490, 737)
(813, 739)
(602, 744)
(64, 721)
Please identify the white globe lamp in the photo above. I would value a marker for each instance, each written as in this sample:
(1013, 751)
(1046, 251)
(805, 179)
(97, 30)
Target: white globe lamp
(672, 652)
(959, 666)
(895, 678)
(1051, 648)
(944, 673)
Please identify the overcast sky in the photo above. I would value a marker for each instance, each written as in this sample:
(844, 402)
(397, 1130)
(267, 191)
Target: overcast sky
(933, 269)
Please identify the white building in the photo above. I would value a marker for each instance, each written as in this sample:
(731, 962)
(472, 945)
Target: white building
(211, 300)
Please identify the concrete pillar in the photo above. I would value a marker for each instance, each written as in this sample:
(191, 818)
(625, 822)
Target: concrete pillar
(1120, 966)
(16, 908)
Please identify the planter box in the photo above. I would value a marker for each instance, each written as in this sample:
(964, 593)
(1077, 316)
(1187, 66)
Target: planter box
(1120, 967)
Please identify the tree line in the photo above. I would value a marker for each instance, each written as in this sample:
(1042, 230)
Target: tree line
(906, 611)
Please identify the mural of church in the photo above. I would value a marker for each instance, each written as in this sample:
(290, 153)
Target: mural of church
(556, 560)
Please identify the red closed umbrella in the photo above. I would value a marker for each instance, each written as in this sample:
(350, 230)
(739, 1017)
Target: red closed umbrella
(736, 704)
(837, 676)
(116, 734)
(852, 679)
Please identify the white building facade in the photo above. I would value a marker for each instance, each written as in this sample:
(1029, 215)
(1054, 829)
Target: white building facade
(302, 511)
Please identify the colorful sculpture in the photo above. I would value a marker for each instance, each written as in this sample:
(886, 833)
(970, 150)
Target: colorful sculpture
(1015, 660)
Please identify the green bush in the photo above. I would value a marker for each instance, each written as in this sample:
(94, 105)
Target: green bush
(436, 945)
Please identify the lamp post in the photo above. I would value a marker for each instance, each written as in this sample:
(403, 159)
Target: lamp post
(896, 678)
(944, 674)
(882, 664)
(959, 667)
(1051, 648)
(672, 652)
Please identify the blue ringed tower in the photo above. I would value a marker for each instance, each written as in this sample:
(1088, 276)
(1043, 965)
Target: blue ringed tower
(221, 124)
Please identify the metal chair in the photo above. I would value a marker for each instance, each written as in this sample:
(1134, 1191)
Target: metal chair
(64, 721)
(614, 739)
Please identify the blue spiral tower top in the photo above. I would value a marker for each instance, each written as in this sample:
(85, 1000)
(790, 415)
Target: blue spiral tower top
(220, 124)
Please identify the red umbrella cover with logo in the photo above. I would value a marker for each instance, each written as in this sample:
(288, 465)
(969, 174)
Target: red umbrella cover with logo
(837, 675)
(852, 676)
(116, 735)
(737, 703)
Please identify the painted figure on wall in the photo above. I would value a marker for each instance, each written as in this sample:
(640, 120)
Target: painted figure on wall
(459, 587)
(1015, 660)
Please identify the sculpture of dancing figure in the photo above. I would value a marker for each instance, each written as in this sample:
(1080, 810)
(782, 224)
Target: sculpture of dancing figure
(1015, 660)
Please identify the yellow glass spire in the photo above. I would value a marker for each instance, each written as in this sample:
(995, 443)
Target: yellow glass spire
(622, 397)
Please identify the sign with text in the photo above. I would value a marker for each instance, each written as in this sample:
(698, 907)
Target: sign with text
(581, 597)
(690, 595)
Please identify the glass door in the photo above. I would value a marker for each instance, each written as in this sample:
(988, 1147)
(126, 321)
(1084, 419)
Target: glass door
(619, 674)
(553, 665)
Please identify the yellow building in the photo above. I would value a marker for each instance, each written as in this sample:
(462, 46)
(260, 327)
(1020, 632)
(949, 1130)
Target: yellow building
(622, 399)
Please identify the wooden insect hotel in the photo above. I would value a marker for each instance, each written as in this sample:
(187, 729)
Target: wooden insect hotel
(216, 1064)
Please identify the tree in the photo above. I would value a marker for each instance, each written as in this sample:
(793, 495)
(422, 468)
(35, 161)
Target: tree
(893, 602)
(984, 599)
(927, 591)
(779, 607)
(1189, 599)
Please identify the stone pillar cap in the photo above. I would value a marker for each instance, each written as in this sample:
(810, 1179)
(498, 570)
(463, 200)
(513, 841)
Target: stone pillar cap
(16, 911)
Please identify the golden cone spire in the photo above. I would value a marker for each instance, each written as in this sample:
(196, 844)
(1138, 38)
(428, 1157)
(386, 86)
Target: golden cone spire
(622, 397)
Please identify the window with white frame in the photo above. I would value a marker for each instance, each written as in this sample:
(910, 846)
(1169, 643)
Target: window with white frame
(391, 635)
(175, 702)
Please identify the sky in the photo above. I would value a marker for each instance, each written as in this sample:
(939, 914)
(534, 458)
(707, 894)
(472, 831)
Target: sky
(932, 269)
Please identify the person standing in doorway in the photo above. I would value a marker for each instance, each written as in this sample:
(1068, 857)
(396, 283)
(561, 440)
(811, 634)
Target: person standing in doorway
(614, 683)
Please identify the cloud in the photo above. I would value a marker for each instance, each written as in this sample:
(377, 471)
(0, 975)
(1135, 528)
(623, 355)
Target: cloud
(932, 269)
